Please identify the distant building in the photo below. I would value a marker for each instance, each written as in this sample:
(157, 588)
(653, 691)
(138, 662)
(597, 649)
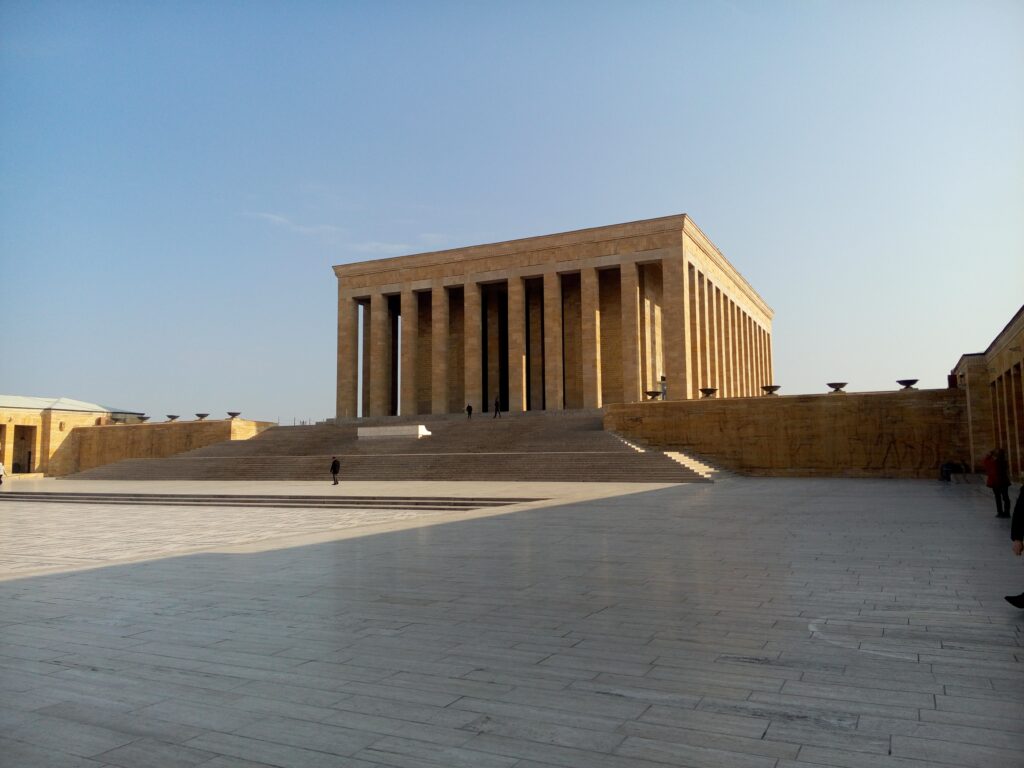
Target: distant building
(33, 429)
(995, 395)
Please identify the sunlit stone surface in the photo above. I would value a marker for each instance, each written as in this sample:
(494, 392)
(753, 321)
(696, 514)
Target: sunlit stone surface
(775, 623)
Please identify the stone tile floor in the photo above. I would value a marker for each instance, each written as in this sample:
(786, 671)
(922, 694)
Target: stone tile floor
(751, 623)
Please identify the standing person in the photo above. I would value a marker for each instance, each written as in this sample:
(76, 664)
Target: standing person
(997, 477)
(497, 407)
(335, 468)
(469, 411)
(1017, 535)
(2, 473)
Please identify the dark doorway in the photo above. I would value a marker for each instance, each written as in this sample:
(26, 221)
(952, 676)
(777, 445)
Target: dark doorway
(24, 447)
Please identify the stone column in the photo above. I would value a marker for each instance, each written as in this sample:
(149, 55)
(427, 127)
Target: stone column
(554, 385)
(472, 359)
(410, 335)
(749, 347)
(380, 356)
(730, 330)
(706, 358)
(771, 370)
(764, 356)
(630, 332)
(439, 349)
(716, 363)
(590, 301)
(694, 334)
(676, 326)
(348, 356)
(7, 452)
(756, 335)
(367, 356)
(755, 376)
(516, 344)
(744, 354)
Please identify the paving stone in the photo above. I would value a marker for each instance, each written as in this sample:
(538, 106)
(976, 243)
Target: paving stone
(687, 755)
(753, 622)
(69, 736)
(148, 753)
(409, 753)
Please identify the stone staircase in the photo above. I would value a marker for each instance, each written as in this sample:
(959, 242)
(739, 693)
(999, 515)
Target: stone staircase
(570, 446)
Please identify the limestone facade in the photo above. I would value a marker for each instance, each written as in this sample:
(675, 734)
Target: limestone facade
(572, 320)
(95, 446)
(905, 433)
(995, 396)
(34, 431)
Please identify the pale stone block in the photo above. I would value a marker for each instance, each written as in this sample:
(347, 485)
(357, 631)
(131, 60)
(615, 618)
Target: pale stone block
(403, 430)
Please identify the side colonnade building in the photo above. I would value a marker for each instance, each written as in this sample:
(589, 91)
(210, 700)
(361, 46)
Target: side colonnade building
(570, 320)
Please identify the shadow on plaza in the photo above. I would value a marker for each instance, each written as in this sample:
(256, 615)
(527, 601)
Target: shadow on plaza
(473, 607)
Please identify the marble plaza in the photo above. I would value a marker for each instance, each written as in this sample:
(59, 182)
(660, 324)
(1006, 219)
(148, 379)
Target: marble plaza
(757, 623)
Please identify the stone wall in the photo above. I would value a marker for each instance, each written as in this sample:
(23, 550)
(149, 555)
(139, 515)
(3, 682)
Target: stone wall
(883, 434)
(52, 431)
(90, 447)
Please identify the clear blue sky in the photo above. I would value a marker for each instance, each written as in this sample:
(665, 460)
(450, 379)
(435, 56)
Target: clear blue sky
(176, 179)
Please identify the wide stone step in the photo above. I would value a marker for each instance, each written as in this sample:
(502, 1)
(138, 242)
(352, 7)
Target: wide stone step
(565, 467)
(452, 503)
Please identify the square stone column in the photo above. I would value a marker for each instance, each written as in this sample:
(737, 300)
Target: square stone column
(380, 356)
(730, 340)
(590, 301)
(693, 339)
(716, 363)
(439, 349)
(751, 375)
(554, 385)
(516, 344)
(676, 326)
(348, 356)
(473, 332)
(762, 378)
(367, 356)
(629, 281)
(705, 331)
(744, 354)
(410, 336)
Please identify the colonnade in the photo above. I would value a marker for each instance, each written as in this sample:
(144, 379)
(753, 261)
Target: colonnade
(548, 339)
(1007, 390)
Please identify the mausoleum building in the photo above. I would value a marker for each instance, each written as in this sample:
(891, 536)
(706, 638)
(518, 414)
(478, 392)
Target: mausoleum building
(612, 314)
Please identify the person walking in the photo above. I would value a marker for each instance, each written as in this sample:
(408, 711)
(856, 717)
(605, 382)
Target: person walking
(497, 407)
(335, 468)
(997, 477)
(469, 411)
(1017, 536)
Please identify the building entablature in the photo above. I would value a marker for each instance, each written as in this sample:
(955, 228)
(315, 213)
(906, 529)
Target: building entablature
(650, 241)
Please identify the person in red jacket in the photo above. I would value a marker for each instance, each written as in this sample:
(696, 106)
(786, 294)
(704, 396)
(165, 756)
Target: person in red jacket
(997, 477)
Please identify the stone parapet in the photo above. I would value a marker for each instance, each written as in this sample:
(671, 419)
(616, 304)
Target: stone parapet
(903, 434)
(95, 446)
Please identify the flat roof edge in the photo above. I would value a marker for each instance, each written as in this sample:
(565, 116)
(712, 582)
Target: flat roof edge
(573, 236)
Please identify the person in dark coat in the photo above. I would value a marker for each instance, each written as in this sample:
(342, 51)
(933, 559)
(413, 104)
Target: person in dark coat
(997, 477)
(469, 411)
(1017, 536)
(335, 468)
(497, 407)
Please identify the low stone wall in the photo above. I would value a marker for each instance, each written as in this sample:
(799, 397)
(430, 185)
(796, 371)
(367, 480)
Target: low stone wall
(95, 446)
(879, 434)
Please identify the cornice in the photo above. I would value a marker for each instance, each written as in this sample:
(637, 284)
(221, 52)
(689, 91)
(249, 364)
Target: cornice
(534, 244)
(716, 257)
